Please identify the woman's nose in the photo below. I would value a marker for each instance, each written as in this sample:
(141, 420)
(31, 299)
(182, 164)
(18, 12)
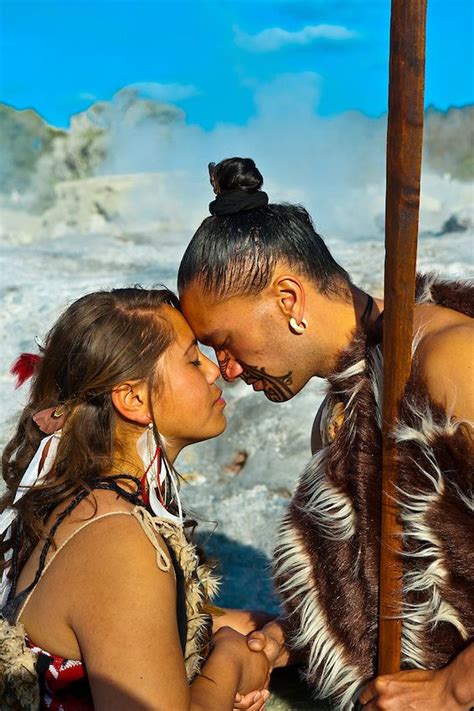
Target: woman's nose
(212, 371)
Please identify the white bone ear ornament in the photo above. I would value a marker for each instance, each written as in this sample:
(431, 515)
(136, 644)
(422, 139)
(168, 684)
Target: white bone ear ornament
(298, 328)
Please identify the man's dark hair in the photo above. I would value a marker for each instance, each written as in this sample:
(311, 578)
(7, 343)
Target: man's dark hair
(235, 255)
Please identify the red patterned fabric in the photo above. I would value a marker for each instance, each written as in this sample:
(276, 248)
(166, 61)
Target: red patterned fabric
(63, 682)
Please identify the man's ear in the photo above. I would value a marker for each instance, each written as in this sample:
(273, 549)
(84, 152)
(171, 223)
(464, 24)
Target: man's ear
(130, 399)
(291, 296)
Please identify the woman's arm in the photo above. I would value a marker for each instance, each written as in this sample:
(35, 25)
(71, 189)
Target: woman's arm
(123, 613)
(243, 621)
(228, 667)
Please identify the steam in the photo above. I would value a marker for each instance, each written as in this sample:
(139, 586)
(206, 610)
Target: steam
(334, 166)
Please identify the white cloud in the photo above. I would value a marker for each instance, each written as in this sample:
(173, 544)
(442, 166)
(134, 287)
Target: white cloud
(165, 92)
(87, 96)
(289, 94)
(274, 38)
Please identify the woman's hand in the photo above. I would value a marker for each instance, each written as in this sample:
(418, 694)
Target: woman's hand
(413, 690)
(245, 621)
(255, 701)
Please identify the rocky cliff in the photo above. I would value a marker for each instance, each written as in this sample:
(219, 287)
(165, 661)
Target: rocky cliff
(36, 156)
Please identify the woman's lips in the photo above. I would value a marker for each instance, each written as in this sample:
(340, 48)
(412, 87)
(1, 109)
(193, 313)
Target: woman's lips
(220, 400)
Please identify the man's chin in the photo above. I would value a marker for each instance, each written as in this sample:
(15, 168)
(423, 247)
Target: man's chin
(277, 397)
(272, 391)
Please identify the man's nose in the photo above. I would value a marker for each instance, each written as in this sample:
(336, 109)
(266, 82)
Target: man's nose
(230, 368)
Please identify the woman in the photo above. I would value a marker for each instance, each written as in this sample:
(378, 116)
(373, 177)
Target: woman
(118, 619)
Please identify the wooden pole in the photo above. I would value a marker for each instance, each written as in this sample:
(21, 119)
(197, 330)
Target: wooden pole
(404, 145)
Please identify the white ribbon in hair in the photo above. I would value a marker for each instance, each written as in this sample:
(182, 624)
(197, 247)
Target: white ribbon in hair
(30, 478)
(153, 476)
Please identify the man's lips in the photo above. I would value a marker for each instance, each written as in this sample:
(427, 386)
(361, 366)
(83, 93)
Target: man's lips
(256, 383)
(248, 380)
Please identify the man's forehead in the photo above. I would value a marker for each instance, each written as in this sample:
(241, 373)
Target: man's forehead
(200, 316)
(210, 337)
(214, 321)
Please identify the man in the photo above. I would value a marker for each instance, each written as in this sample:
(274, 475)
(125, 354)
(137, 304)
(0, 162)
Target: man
(258, 284)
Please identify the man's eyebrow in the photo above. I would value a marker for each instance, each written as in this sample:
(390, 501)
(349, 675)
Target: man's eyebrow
(211, 337)
(191, 345)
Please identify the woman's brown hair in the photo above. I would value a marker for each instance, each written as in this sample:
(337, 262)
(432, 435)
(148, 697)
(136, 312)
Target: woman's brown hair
(102, 339)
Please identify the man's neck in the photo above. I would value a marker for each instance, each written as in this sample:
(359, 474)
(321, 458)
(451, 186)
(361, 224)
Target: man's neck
(366, 308)
(338, 320)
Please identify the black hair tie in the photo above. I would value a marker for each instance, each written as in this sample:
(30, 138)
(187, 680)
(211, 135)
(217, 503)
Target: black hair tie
(229, 202)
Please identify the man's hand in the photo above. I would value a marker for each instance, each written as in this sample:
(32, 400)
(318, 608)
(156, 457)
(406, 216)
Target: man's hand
(448, 689)
(245, 621)
(413, 690)
(271, 640)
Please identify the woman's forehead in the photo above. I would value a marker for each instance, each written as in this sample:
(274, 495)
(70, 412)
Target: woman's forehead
(182, 330)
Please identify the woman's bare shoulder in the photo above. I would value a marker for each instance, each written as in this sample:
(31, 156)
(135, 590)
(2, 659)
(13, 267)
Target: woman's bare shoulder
(117, 540)
(106, 561)
(95, 504)
(124, 612)
(105, 540)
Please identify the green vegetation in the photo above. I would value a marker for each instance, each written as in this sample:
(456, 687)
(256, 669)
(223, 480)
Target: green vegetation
(24, 137)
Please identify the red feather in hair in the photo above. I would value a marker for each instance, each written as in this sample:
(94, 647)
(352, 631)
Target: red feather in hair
(24, 367)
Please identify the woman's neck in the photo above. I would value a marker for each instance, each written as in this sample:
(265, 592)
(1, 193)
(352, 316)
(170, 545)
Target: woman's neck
(126, 459)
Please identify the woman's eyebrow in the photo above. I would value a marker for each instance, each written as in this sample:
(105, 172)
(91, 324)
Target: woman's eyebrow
(193, 344)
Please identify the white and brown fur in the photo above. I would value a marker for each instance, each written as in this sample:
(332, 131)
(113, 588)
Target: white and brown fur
(326, 564)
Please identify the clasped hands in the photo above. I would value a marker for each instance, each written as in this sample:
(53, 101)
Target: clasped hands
(260, 651)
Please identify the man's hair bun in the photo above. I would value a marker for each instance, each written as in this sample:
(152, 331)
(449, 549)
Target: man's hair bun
(237, 174)
(237, 182)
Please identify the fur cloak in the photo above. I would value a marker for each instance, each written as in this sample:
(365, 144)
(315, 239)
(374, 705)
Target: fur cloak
(327, 556)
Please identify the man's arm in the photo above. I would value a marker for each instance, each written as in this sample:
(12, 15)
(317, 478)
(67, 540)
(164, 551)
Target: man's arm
(447, 689)
(446, 359)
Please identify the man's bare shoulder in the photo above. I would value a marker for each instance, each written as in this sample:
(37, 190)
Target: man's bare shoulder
(445, 355)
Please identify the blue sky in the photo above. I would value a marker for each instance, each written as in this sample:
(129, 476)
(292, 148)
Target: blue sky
(211, 57)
